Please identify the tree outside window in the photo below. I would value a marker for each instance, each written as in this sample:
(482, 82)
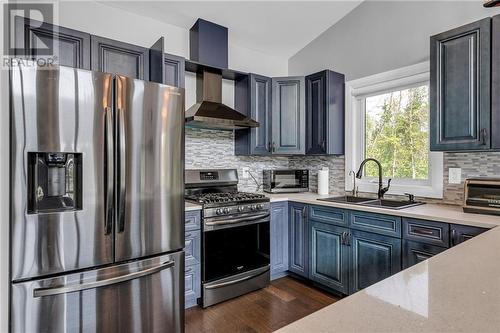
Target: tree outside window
(397, 133)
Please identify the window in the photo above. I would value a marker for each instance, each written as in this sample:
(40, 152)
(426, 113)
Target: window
(397, 133)
(389, 117)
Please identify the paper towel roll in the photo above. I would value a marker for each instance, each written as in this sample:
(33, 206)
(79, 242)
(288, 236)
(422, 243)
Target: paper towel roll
(323, 181)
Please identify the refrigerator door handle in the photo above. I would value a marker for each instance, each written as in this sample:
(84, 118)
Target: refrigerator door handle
(108, 224)
(122, 171)
(43, 292)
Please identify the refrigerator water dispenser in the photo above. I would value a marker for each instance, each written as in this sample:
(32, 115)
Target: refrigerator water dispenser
(54, 182)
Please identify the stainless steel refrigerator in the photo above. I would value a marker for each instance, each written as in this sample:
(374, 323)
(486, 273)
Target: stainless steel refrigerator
(97, 203)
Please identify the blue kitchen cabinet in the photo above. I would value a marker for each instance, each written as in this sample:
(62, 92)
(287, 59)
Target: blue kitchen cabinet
(279, 239)
(374, 257)
(415, 252)
(461, 233)
(298, 239)
(329, 264)
(325, 113)
(460, 89)
(388, 225)
(192, 248)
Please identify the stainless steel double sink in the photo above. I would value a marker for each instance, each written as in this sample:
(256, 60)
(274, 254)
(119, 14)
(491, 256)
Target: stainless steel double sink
(382, 203)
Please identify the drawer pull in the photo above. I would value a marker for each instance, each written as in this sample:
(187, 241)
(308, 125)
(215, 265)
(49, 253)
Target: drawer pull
(423, 232)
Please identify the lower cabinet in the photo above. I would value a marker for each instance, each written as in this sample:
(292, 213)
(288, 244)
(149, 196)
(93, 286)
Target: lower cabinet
(298, 239)
(329, 263)
(415, 252)
(192, 285)
(461, 233)
(279, 239)
(192, 249)
(373, 258)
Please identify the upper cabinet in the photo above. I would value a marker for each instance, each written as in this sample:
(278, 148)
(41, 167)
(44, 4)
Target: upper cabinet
(460, 105)
(253, 97)
(173, 70)
(117, 57)
(495, 82)
(71, 47)
(325, 113)
(288, 115)
(278, 104)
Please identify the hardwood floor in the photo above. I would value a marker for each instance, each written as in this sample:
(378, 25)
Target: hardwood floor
(265, 310)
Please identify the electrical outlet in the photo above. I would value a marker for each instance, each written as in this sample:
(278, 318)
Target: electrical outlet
(244, 174)
(454, 175)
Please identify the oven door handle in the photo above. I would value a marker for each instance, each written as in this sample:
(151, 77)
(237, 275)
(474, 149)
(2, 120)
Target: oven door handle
(245, 278)
(263, 217)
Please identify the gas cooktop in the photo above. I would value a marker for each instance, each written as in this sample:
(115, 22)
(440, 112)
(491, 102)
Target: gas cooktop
(226, 197)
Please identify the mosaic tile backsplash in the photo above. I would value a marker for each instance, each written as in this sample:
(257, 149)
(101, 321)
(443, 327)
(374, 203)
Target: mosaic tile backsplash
(215, 149)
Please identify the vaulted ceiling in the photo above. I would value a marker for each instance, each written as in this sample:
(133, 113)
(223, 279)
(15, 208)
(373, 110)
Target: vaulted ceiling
(279, 28)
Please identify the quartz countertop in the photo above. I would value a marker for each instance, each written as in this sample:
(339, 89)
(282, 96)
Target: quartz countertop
(191, 206)
(457, 290)
(433, 212)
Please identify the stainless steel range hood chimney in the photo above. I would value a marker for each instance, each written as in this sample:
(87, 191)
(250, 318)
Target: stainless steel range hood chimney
(208, 47)
(209, 112)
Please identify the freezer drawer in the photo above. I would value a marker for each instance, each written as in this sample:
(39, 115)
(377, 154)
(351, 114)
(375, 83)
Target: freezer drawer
(141, 296)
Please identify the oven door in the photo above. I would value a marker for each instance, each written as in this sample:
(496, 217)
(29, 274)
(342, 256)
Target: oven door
(228, 251)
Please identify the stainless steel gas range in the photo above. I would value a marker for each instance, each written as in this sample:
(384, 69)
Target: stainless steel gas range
(235, 237)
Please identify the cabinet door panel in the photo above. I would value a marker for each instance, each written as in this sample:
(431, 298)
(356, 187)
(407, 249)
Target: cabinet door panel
(173, 70)
(460, 88)
(373, 258)
(414, 252)
(116, 57)
(316, 118)
(279, 239)
(260, 107)
(495, 82)
(329, 256)
(288, 115)
(71, 47)
(299, 254)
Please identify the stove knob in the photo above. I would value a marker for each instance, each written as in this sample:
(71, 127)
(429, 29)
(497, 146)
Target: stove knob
(253, 207)
(259, 206)
(226, 210)
(218, 211)
(241, 208)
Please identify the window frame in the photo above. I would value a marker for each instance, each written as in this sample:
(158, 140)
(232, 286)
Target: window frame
(356, 92)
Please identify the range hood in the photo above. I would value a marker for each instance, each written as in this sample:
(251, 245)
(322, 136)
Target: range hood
(209, 112)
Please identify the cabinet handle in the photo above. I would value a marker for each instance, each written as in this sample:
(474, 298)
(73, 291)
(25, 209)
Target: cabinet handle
(268, 146)
(323, 145)
(348, 239)
(453, 237)
(343, 238)
(423, 232)
(274, 147)
(484, 135)
(304, 211)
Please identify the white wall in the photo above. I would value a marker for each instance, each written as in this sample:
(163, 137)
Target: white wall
(379, 36)
(106, 21)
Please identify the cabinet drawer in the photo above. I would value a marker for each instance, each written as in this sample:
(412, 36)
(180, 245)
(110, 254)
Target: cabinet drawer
(192, 220)
(461, 233)
(192, 247)
(430, 232)
(328, 215)
(192, 285)
(378, 223)
(414, 252)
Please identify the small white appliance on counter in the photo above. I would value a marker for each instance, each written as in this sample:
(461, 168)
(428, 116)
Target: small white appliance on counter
(482, 195)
